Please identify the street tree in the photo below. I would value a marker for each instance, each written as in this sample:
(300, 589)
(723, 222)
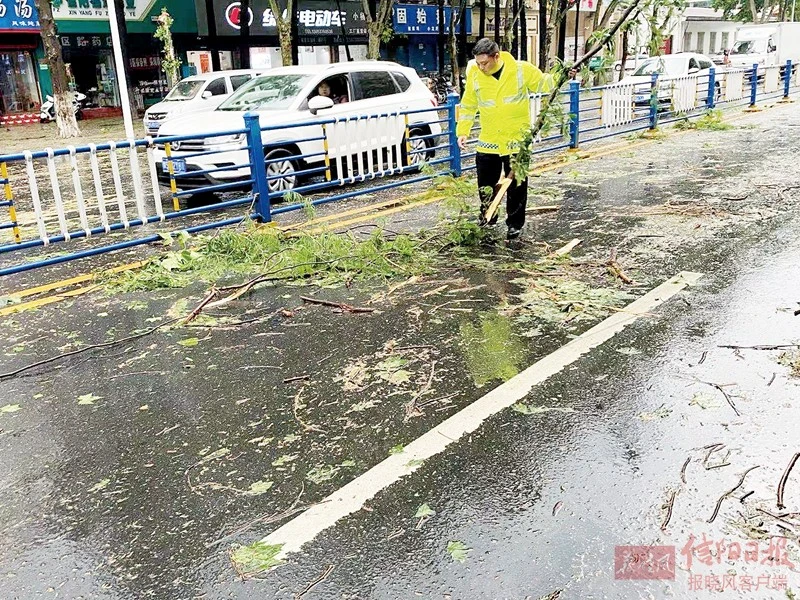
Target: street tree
(283, 23)
(379, 25)
(756, 11)
(62, 95)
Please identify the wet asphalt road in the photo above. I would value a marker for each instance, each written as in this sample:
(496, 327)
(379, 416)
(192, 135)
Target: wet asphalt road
(129, 473)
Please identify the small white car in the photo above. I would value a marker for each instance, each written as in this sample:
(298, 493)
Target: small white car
(290, 95)
(198, 93)
(668, 67)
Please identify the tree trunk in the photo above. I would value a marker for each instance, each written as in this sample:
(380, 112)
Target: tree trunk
(122, 26)
(624, 54)
(523, 30)
(562, 29)
(453, 45)
(497, 21)
(244, 34)
(374, 41)
(544, 45)
(65, 114)
(440, 36)
(284, 27)
(482, 20)
(213, 40)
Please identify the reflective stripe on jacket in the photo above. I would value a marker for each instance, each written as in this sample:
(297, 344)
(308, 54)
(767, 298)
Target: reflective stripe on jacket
(503, 104)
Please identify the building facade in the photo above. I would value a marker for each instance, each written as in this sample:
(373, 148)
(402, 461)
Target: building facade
(20, 56)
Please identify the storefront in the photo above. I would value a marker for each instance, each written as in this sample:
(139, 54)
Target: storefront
(420, 23)
(19, 51)
(326, 31)
(86, 45)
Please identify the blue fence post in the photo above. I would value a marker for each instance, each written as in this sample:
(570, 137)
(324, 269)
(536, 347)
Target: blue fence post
(787, 79)
(753, 85)
(258, 168)
(653, 101)
(574, 113)
(712, 87)
(452, 119)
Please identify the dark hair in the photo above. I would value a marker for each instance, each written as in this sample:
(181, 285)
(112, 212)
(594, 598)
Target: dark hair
(486, 46)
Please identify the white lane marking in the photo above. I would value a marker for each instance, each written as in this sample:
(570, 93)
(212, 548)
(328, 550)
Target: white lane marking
(351, 498)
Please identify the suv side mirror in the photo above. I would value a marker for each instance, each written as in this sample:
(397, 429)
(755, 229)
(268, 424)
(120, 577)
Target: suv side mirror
(206, 95)
(694, 70)
(318, 103)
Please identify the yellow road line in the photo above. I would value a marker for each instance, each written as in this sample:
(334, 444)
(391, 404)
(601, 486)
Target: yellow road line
(361, 219)
(15, 308)
(75, 280)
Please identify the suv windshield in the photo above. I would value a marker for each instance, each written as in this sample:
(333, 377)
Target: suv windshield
(671, 67)
(268, 92)
(749, 47)
(185, 90)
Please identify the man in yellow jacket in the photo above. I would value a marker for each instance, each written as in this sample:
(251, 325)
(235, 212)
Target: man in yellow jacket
(498, 87)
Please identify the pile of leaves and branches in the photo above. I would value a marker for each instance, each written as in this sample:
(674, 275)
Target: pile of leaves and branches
(712, 120)
(325, 257)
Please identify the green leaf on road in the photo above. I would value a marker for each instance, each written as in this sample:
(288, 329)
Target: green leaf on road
(88, 399)
(458, 551)
(424, 511)
(255, 558)
(662, 412)
(398, 449)
(259, 487)
(189, 342)
(10, 408)
(283, 460)
(629, 351)
(322, 473)
(100, 485)
(347, 463)
(705, 401)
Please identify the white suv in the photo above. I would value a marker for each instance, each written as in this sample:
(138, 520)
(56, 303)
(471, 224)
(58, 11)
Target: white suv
(198, 93)
(289, 95)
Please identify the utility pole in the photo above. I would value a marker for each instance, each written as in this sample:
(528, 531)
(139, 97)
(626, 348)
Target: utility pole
(497, 21)
(244, 34)
(119, 63)
(213, 41)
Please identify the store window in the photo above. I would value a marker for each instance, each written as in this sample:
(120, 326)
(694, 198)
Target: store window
(18, 89)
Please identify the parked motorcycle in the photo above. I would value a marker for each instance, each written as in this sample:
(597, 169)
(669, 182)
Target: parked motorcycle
(47, 112)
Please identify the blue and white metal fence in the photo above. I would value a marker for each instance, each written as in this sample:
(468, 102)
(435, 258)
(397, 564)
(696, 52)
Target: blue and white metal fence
(59, 195)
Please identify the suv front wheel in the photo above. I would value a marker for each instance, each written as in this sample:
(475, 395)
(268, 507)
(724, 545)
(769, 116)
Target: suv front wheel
(418, 144)
(281, 171)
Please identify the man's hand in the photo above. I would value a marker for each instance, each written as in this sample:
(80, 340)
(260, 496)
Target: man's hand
(462, 142)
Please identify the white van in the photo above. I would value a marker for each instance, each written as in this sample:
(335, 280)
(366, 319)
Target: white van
(198, 93)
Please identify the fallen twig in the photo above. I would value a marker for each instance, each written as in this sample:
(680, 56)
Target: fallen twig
(296, 407)
(776, 517)
(328, 570)
(340, 305)
(772, 379)
(567, 248)
(728, 399)
(297, 378)
(703, 357)
(542, 208)
(265, 520)
(87, 348)
(683, 469)
(746, 496)
(670, 505)
(784, 478)
(396, 534)
(199, 308)
(614, 269)
(728, 493)
(760, 346)
(412, 408)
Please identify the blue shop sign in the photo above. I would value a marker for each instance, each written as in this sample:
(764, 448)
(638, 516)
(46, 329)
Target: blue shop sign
(424, 19)
(18, 16)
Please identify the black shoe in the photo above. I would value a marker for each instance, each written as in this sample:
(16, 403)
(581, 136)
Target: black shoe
(513, 233)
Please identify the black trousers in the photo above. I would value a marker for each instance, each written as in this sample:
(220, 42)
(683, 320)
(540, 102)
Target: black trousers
(490, 167)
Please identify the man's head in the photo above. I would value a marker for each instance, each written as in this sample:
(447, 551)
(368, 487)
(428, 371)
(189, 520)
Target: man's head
(324, 89)
(487, 55)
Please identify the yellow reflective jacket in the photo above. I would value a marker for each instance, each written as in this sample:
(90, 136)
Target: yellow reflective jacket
(503, 104)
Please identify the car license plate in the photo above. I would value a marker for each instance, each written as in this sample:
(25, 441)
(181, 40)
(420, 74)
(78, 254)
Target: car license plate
(153, 125)
(642, 98)
(178, 165)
